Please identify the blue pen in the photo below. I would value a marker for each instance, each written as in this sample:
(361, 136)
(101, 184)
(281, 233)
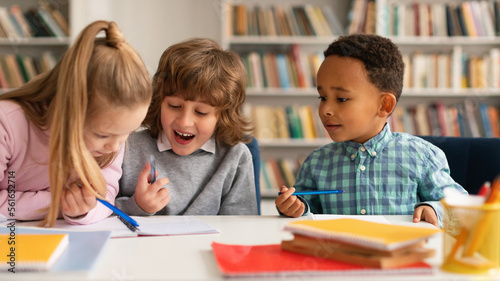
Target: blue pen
(121, 215)
(316, 192)
(153, 168)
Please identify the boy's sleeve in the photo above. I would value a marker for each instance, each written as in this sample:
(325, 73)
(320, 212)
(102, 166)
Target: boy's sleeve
(436, 178)
(241, 198)
(112, 175)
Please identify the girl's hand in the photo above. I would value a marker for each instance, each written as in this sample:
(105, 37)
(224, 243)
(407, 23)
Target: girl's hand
(289, 204)
(425, 213)
(151, 197)
(76, 201)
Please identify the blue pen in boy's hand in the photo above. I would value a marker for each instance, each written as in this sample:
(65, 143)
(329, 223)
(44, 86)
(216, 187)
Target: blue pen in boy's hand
(315, 192)
(153, 168)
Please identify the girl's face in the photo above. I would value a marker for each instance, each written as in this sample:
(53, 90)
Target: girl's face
(187, 124)
(107, 129)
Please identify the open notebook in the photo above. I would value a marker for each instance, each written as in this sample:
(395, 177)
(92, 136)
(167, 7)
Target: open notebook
(149, 226)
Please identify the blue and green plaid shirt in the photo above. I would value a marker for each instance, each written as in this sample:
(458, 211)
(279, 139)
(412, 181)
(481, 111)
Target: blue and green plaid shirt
(390, 174)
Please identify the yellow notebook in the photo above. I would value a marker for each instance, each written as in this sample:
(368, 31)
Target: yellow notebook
(31, 252)
(362, 233)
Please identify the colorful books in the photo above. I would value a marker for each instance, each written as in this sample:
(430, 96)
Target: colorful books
(271, 260)
(31, 252)
(360, 242)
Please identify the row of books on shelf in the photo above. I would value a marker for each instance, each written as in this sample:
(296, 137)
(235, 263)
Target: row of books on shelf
(469, 18)
(294, 69)
(275, 173)
(467, 119)
(43, 20)
(284, 20)
(290, 122)
(439, 69)
(16, 70)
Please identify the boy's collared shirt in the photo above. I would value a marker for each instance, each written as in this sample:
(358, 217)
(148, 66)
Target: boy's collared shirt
(388, 175)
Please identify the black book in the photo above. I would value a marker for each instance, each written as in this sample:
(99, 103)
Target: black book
(496, 7)
(450, 26)
(40, 29)
(461, 20)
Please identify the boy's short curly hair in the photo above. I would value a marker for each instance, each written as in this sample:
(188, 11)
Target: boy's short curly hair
(381, 58)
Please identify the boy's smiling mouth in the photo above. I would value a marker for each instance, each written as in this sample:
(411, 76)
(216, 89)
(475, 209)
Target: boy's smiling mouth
(183, 136)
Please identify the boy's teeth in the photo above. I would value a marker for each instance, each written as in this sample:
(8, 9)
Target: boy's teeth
(184, 135)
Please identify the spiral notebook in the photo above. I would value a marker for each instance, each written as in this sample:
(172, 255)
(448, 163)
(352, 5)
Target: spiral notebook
(31, 252)
(362, 233)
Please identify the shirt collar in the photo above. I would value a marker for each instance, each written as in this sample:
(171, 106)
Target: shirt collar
(373, 146)
(163, 144)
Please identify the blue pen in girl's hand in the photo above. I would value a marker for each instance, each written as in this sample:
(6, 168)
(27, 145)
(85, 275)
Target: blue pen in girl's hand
(128, 221)
(153, 168)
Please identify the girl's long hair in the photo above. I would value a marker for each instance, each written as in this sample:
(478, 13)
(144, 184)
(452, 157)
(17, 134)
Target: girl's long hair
(93, 72)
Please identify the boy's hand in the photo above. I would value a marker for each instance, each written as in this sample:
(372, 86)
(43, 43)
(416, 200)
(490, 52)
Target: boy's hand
(289, 204)
(151, 197)
(425, 213)
(77, 201)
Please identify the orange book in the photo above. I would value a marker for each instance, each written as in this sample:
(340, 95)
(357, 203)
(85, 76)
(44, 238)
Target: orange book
(493, 116)
(31, 252)
(241, 20)
(361, 233)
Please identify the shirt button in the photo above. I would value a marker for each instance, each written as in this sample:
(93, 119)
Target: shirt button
(363, 148)
(362, 168)
(363, 211)
(374, 153)
(352, 156)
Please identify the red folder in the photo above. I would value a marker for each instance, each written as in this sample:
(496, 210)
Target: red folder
(267, 260)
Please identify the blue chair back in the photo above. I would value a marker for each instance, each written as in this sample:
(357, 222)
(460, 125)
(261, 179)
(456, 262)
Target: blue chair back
(254, 150)
(472, 160)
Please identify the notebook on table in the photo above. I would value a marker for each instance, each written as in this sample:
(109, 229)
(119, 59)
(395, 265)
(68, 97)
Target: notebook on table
(82, 252)
(31, 252)
(361, 242)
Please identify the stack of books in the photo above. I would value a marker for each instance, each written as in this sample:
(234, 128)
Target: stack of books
(360, 242)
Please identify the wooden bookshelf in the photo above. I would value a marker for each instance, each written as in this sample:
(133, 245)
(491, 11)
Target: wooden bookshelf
(375, 16)
(36, 47)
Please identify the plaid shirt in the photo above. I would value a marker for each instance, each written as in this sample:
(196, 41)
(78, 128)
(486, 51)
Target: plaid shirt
(390, 174)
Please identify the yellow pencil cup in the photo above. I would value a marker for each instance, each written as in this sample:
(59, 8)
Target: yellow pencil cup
(471, 239)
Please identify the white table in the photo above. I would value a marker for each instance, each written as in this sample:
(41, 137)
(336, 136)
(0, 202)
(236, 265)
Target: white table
(190, 257)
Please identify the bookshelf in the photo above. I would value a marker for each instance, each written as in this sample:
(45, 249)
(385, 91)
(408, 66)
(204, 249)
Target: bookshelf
(458, 73)
(33, 52)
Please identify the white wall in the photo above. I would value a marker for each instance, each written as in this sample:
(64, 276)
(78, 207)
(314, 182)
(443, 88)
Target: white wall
(150, 26)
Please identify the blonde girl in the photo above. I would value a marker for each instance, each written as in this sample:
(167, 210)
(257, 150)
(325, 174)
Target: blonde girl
(196, 132)
(61, 134)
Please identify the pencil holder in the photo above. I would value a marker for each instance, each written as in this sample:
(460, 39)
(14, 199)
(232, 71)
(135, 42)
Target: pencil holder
(471, 239)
